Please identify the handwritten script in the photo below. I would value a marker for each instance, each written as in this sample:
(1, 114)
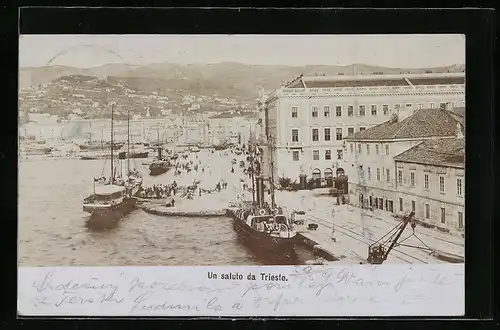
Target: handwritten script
(295, 290)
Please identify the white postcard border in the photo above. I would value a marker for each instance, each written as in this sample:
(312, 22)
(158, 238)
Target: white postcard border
(309, 291)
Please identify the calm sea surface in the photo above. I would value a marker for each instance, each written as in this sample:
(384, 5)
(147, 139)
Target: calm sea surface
(52, 228)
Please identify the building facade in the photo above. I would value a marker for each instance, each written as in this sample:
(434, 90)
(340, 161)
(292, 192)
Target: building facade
(308, 120)
(407, 163)
(430, 181)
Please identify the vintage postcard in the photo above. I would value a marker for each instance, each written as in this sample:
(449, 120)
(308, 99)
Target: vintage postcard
(241, 175)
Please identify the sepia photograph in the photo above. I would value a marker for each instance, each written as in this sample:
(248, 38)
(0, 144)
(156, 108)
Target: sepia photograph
(241, 150)
(225, 162)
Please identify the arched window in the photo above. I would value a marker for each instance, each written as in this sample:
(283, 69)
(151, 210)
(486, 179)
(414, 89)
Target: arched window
(316, 173)
(328, 173)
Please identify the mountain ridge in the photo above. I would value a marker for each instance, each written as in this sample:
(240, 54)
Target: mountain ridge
(233, 78)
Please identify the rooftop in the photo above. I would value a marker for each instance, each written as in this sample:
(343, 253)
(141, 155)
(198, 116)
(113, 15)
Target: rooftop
(440, 152)
(374, 80)
(422, 123)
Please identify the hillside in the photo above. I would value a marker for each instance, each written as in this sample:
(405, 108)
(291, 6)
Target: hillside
(231, 80)
(90, 97)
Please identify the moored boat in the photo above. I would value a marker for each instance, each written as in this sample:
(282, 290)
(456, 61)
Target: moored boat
(88, 157)
(266, 233)
(113, 198)
(107, 205)
(139, 154)
(37, 150)
(158, 167)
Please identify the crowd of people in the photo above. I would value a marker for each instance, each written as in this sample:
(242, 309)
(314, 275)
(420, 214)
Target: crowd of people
(184, 166)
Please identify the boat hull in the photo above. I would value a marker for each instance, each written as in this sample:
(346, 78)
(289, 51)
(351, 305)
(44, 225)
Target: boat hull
(38, 151)
(101, 218)
(158, 169)
(144, 154)
(124, 155)
(263, 244)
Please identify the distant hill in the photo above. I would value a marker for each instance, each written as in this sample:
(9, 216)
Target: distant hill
(227, 79)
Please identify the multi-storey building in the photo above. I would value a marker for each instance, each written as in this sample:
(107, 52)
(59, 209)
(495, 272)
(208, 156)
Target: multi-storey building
(430, 181)
(387, 167)
(307, 120)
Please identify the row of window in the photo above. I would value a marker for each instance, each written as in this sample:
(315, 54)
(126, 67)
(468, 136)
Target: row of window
(428, 212)
(368, 148)
(316, 155)
(369, 172)
(459, 182)
(328, 154)
(362, 110)
(327, 133)
(379, 203)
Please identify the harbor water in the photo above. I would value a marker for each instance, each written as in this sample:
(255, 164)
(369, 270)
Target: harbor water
(52, 229)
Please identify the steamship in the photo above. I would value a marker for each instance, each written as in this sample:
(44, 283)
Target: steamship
(160, 165)
(265, 231)
(263, 228)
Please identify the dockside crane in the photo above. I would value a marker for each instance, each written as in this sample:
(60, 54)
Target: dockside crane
(378, 251)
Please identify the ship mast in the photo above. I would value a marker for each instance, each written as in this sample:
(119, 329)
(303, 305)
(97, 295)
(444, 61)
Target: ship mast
(159, 145)
(128, 142)
(112, 165)
(252, 173)
(271, 178)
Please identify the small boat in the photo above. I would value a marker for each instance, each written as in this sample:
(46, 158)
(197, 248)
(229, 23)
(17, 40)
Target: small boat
(266, 233)
(38, 150)
(194, 149)
(88, 158)
(142, 154)
(108, 204)
(159, 167)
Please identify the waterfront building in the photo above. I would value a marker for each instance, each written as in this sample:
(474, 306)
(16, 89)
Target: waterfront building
(430, 181)
(309, 118)
(387, 169)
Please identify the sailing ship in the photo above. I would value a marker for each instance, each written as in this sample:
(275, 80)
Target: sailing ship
(113, 198)
(160, 165)
(263, 227)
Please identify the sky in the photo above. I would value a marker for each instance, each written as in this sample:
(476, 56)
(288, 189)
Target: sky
(84, 51)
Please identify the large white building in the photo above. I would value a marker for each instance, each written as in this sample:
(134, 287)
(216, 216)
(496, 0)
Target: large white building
(308, 119)
(414, 161)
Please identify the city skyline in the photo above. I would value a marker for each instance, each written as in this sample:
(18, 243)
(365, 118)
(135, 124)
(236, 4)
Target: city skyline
(85, 51)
